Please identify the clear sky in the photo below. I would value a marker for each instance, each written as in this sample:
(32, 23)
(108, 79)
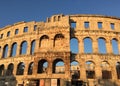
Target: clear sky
(12, 11)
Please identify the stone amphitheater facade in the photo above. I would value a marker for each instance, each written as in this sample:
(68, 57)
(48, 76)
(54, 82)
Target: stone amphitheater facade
(26, 46)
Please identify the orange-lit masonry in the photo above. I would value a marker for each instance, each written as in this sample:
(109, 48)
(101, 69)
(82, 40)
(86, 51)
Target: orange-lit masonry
(25, 48)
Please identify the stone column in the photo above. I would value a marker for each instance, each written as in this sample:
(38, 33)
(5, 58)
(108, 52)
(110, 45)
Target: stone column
(67, 67)
(18, 49)
(49, 69)
(15, 68)
(35, 67)
(1, 54)
(98, 71)
(119, 46)
(9, 50)
(82, 71)
(109, 46)
(114, 71)
(81, 46)
(28, 47)
(36, 45)
(26, 68)
(95, 45)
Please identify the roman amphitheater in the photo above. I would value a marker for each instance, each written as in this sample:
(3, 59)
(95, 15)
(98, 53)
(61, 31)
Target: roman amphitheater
(66, 50)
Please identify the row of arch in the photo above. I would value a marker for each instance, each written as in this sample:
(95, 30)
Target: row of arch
(88, 45)
(43, 66)
(44, 43)
(23, 49)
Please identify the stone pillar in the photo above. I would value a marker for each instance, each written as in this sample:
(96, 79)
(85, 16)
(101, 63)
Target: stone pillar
(81, 46)
(36, 45)
(26, 68)
(18, 49)
(82, 71)
(28, 47)
(49, 69)
(95, 46)
(114, 71)
(98, 71)
(108, 46)
(119, 46)
(9, 50)
(15, 68)
(67, 67)
(35, 67)
(1, 54)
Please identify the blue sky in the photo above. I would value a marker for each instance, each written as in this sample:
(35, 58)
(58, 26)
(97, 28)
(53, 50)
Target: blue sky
(12, 11)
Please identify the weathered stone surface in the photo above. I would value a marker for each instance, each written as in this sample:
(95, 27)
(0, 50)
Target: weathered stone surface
(52, 44)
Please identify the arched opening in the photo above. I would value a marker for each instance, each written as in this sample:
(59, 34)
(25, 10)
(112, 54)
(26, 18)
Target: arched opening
(75, 70)
(20, 68)
(30, 69)
(5, 51)
(74, 45)
(23, 49)
(14, 49)
(32, 50)
(115, 46)
(88, 45)
(102, 46)
(1, 70)
(118, 69)
(106, 70)
(10, 69)
(58, 66)
(42, 66)
(44, 41)
(90, 70)
(58, 40)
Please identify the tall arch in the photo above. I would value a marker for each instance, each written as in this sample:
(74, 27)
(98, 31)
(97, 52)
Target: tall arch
(102, 45)
(58, 40)
(58, 66)
(75, 70)
(5, 51)
(10, 69)
(106, 70)
(23, 48)
(74, 45)
(118, 69)
(44, 41)
(32, 50)
(42, 66)
(88, 45)
(90, 70)
(1, 70)
(30, 68)
(14, 49)
(115, 46)
(20, 68)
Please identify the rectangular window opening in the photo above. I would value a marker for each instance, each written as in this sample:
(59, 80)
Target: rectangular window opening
(100, 25)
(16, 31)
(1, 36)
(8, 34)
(112, 26)
(86, 24)
(25, 29)
(73, 25)
(35, 27)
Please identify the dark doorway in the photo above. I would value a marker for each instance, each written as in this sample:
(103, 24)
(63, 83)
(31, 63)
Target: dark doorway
(58, 82)
(77, 83)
